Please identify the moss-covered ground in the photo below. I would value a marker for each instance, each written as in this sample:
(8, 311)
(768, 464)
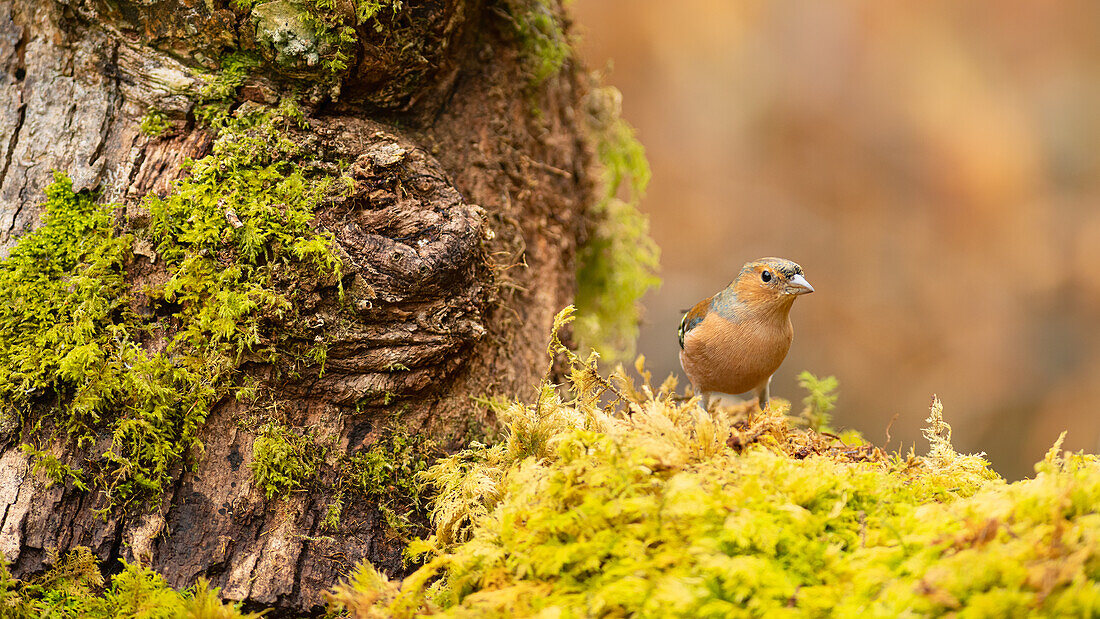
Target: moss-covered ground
(650, 506)
(611, 498)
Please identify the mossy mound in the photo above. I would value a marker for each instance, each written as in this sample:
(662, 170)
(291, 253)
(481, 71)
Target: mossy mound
(652, 507)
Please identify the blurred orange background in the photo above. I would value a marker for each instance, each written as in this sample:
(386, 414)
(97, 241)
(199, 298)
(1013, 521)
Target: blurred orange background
(933, 166)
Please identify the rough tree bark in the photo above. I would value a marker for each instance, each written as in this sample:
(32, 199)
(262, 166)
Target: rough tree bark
(471, 184)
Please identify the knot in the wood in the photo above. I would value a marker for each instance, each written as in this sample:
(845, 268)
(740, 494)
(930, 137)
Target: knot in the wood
(416, 276)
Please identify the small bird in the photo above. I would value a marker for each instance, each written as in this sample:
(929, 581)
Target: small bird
(735, 340)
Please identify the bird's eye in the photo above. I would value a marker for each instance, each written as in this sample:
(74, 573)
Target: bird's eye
(766, 276)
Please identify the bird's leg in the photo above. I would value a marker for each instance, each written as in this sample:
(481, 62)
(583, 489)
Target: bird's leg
(763, 394)
(708, 399)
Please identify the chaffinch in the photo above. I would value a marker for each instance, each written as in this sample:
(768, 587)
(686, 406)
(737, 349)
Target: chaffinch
(735, 340)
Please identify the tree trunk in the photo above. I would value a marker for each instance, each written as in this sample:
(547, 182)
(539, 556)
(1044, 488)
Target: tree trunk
(470, 187)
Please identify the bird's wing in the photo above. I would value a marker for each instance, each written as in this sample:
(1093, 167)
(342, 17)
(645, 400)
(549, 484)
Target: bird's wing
(692, 319)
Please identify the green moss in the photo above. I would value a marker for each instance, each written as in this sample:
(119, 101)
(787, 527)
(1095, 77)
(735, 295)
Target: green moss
(390, 464)
(820, 402)
(235, 236)
(545, 45)
(340, 32)
(74, 587)
(650, 506)
(56, 471)
(234, 70)
(389, 475)
(283, 461)
(63, 286)
(67, 342)
(219, 92)
(154, 123)
(302, 34)
(618, 262)
(241, 217)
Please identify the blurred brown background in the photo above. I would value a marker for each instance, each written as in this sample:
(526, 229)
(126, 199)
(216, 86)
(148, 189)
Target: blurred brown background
(934, 167)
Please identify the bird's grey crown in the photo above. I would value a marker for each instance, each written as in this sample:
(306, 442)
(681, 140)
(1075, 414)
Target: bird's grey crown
(788, 268)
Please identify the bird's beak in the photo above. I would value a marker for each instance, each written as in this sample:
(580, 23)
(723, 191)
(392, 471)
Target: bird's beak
(798, 285)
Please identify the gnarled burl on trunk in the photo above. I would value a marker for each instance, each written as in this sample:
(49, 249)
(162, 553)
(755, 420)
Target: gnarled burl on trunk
(452, 184)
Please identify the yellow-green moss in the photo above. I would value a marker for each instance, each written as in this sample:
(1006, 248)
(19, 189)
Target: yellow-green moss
(389, 475)
(219, 90)
(653, 507)
(283, 460)
(308, 33)
(820, 401)
(545, 46)
(74, 588)
(56, 472)
(242, 215)
(618, 263)
(154, 123)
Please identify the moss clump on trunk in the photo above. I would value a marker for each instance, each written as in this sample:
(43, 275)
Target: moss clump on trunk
(316, 37)
(129, 373)
(283, 461)
(618, 262)
(390, 474)
(542, 36)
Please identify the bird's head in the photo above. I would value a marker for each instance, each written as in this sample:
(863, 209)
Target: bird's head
(770, 283)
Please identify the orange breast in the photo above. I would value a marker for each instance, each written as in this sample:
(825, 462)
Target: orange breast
(728, 357)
